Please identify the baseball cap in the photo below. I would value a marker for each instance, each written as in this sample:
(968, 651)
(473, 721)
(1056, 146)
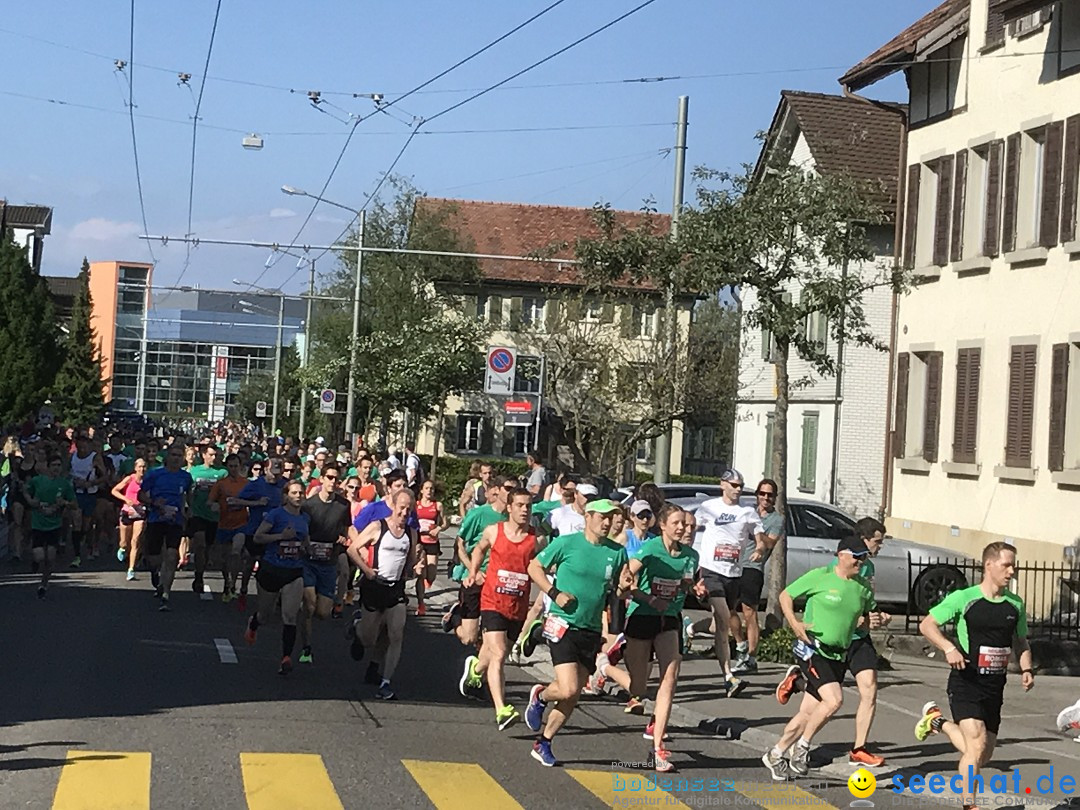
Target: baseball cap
(639, 506)
(854, 545)
(321, 451)
(603, 506)
(320, 440)
(732, 475)
(587, 489)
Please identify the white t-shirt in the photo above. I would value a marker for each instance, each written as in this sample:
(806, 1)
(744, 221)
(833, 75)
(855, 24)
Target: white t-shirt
(566, 520)
(722, 531)
(412, 464)
(393, 462)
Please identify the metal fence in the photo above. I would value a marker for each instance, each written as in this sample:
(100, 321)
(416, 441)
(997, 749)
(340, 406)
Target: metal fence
(1051, 592)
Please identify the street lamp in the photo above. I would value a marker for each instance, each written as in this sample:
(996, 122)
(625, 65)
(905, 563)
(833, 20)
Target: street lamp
(350, 407)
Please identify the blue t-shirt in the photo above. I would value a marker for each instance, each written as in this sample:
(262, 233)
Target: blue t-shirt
(285, 553)
(633, 542)
(380, 510)
(171, 488)
(258, 488)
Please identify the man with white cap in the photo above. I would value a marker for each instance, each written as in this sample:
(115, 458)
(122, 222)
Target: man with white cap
(723, 525)
(571, 518)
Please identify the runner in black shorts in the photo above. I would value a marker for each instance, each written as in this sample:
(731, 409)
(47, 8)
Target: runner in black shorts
(991, 623)
(47, 496)
(165, 491)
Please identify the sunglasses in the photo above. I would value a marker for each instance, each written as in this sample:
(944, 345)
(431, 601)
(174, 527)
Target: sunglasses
(766, 494)
(330, 477)
(644, 515)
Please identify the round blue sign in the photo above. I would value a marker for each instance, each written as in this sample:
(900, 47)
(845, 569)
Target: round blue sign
(328, 396)
(500, 361)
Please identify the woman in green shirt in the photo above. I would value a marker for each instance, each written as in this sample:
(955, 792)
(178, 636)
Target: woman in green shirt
(664, 571)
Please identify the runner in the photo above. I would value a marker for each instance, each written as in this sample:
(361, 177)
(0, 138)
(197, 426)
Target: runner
(202, 528)
(282, 534)
(86, 470)
(723, 526)
(836, 600)
(570, 519)
(504, 600)
(224, 501)
(752, 580)
(587, 567)
(328, 518)
(383, 552)
(663, 572)
(642, 526)
(259, 496)
(475, 492)
(991, 624)
(48, 496)
(165, 490)
(432, 521)
(132, 516)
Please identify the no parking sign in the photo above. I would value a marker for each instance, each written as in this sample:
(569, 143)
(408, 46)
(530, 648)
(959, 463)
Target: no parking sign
(327, 400)
(501, 365)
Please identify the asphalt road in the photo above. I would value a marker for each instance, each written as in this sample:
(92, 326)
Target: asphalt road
(107, 703)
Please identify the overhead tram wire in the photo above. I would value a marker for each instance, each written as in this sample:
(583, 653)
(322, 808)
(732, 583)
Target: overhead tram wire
(131, 117)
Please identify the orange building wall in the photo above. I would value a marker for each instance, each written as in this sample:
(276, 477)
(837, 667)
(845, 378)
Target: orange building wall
(104, 279)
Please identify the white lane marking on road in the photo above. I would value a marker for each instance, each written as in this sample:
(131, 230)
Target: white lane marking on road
(206, 594)
(225, 651)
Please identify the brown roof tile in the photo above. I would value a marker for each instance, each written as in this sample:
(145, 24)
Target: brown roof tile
(890, 56)
(519, 229)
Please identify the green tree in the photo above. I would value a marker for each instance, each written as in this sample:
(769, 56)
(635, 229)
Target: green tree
(28, 335)
(260, 386)
(77, 392)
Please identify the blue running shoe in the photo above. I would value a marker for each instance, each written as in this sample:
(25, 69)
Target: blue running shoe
(534, 712)
(541, 752)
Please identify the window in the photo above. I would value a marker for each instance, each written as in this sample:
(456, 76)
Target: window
(808, 462)
(592, 312)
(522, 439)
(642, 321)
(527, 376)
(935, 82)
(1030, 23)
(469, 427)
(1064, 408)
(918, 405)
(491, 309)
(822, 523)
(1020, 405)
(532, 312)
(966, 411)
(768, 346)
(982, 205)
(817, 330)
(1068, 40)
(644, 452)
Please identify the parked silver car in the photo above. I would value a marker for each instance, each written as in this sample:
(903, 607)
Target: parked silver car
(813, 529)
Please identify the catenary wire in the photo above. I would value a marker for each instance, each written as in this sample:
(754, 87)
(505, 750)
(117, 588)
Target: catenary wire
(131, 117)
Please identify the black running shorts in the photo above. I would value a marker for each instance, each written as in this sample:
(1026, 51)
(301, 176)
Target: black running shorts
(576, 647)
(861, 655)
(491, 621)
(160, 536)
(272, 578)
(643, 627)
(751, 584)
(819, 670)
(721, 587)
(470, 602)
(971, 699)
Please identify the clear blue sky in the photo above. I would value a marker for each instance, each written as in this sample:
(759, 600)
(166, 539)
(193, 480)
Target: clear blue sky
(79, 161)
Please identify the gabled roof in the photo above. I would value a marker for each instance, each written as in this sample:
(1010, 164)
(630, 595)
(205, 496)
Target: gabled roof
(26, 216)
(846, 135)
(897, 52)
(520, 229)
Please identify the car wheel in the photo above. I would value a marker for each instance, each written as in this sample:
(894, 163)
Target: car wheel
(934, 584)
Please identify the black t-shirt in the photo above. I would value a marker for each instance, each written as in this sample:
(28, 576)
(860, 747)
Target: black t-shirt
(328, 520)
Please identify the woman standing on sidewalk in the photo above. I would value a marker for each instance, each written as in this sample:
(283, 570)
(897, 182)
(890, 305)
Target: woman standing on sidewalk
(132, 516)
(433, 520)
(663, 571)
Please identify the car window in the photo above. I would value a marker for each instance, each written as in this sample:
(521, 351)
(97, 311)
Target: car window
(821, 522)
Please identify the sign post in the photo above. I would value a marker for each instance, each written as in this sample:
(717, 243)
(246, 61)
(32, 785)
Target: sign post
(501, 366)
(327, 400)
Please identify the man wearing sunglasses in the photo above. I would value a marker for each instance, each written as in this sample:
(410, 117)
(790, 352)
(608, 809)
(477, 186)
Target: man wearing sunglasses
(752, 580)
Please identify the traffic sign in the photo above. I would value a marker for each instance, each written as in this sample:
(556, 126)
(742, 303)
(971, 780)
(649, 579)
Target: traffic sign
(499, 376)
(326, 400)
(260, 408)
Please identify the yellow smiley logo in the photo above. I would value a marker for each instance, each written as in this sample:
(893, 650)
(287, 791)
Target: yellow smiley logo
(862, 783)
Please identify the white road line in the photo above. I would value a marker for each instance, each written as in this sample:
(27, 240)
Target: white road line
(206, 594)
(225, 651)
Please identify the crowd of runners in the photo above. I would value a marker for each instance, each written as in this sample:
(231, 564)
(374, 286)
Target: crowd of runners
(319, 530)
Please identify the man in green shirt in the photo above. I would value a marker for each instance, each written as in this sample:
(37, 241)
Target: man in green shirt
(203, 525)
(48, 496)
(588, 566)
(836, 600)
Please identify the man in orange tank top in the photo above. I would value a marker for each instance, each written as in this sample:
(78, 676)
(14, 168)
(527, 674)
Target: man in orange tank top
(504, 599)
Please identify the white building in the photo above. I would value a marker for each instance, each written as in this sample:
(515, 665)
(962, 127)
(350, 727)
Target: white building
(27, 225)
(986, 425)
(836, 428)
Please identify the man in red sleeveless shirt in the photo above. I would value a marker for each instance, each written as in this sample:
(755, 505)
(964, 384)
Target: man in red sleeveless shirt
(504, 599)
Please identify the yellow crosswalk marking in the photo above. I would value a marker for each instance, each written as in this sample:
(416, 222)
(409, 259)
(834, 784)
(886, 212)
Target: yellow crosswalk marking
(459, 786)
(780, 795)
(624, 789)
(104, 780)
(287, 782)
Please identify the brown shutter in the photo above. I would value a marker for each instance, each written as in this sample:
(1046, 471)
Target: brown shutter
(932, 417)
(959, 200)
(966, 416)
(1070, 179)
(1059, 387)
(1021, 406)
(995, 27)
(903, 362)
(1012, 194)
(911, 215)
(941, 214)
(1050, 215)
(992, 231)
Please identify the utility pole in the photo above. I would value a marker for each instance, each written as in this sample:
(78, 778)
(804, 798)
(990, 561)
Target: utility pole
(662, 462)
(350, 398)
(277, 361)
(307, 351)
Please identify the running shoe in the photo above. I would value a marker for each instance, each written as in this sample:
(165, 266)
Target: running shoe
(534, 712)
(197, 585)
(777, 765)
(1069, 717)
(687, 635)
(860, 756)
(164, 606)
(130, 575)
(421, 609)
(336, 612)
(506, 717)
(733, 686)
(614, 652)
(470, 679)
(634, 705)
(925, 727)
(745, 666)
(227, 596)
(799, 760)
(384, 692)
(121, 555)
(76, 562)
(648, 733)
(371, 675)
(533, 637)
(286, 666)
(661, 760)
(250, 633)
(448, 619)
(787, 687)
(41, 592)
(356, 648)
(305, 656)
(541, 752)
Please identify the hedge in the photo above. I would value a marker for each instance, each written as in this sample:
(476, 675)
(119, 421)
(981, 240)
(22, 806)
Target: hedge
(644, 477)
(452, 472)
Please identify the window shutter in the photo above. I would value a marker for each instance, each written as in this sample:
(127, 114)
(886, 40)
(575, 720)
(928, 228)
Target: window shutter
(932, 418)
(903, 362)
(459, 431)
(766, 345)
(992, 232)
(551, 315)
(1012, 194)
(770, 424)
(573, 310)
(958, 207)
(808, 466)
(1050, 216)
(966, 416)
(941, 214)
(508, 435)
(495, 310)
(1070, 179)
(1059, 388)
(607, 312)
(515, 314)
(911, 215)
(469, 306)
(1020, 406)
(487, 435)
(995, 27)
(627, 315)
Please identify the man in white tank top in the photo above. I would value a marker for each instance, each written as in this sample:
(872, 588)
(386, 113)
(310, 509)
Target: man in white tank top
(87, 469)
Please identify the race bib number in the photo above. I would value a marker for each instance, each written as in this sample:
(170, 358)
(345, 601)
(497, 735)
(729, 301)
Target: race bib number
(993, 660)
(512, 583)
(664, 588)
(289, 549)
(426, 525)
(802, 650)
(726, 553)
(555, 628)
(320, 552)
